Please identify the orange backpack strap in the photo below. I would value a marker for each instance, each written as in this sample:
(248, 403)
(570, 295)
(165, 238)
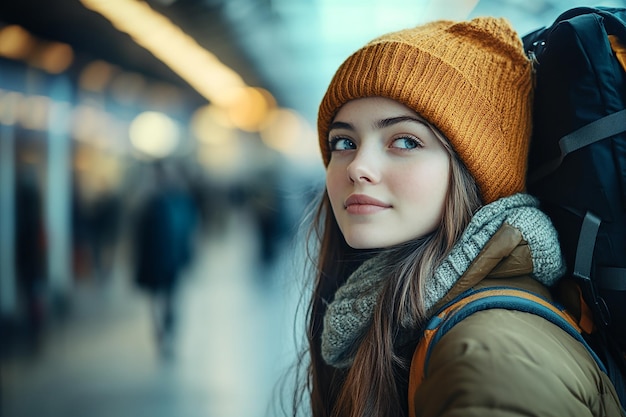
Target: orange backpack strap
(619, 49)
(473, 301)
(586, 316)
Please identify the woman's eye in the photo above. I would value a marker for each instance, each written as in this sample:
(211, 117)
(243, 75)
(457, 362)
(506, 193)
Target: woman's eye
(341, 144)
(406, 143)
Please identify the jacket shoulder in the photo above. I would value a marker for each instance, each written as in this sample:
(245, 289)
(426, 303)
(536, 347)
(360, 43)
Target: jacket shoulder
(496, 360)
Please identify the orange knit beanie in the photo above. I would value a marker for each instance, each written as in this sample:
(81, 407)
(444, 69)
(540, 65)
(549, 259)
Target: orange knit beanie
(470, 79)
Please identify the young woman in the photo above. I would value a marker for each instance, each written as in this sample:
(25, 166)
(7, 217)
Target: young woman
(424, 134)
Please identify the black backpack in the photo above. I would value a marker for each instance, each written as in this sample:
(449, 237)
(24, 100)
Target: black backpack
(577, 161)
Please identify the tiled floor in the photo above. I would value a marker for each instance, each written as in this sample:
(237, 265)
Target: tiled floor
(234, 342)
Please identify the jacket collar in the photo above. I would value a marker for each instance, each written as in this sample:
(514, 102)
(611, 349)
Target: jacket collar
(505, 255)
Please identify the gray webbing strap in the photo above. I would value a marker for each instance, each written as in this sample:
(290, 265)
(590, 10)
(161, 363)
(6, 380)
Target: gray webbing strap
(586, 244)
(593, 132)
(583, 264)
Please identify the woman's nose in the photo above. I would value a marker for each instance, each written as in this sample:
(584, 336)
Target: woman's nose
(364, 168)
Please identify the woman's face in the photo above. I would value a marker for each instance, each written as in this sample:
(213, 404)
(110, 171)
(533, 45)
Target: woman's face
(388, 175)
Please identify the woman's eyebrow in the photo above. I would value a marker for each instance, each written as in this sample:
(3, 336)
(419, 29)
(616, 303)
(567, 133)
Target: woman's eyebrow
(393, 120)
(340, 125)
(380, 124)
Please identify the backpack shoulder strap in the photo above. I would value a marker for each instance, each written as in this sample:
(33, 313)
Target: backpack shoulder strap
(473, 301)
(596, 131)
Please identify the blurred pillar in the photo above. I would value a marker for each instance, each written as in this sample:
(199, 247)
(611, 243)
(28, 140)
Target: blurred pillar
(58, 190)
(8, 287)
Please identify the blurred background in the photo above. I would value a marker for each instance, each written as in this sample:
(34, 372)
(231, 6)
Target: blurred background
(157, 160)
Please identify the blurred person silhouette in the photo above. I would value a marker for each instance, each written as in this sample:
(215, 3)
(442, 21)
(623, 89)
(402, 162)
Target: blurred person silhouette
(268, 207)
(104, 219)
(30, 248)
(163, 243)
(264, 196)
(81, 259)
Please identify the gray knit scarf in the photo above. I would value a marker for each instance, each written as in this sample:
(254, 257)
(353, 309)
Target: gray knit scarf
(350, 313)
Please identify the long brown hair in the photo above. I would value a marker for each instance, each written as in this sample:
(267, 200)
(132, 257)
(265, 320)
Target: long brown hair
(375, 384)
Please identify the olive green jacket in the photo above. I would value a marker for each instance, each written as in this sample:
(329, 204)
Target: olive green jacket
(510, 363)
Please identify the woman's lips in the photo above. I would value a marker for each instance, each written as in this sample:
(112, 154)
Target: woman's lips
(363, 204)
